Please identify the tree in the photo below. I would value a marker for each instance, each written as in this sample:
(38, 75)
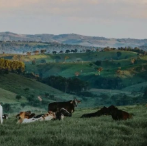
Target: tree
(118, 54)
(18, 97)
(98, 62)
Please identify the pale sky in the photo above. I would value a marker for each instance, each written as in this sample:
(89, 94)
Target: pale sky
(107, 18)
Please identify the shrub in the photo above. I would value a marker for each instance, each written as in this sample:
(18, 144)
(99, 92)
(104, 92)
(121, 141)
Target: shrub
(18, 97)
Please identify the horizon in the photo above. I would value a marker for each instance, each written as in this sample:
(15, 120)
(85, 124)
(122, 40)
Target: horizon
(109, 18)
(70, 34)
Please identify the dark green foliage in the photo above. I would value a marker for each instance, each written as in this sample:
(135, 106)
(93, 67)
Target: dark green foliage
(86, 94)
(26, 89)
(23, 105)
(145, 93)
(98, 63)
(118, 54)
(18, 97)
(7, 107)
(66, 84)
(107, 83)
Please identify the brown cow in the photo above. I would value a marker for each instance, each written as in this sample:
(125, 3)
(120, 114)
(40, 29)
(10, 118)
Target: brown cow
(118, 114)
(102, 111)
(68, 105)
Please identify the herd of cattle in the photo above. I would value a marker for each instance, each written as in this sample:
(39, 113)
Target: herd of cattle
(58, 110)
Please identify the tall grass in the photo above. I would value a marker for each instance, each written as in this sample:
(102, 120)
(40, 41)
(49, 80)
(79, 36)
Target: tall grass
(76, 131)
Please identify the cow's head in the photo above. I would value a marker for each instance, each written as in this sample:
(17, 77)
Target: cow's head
(75, 102)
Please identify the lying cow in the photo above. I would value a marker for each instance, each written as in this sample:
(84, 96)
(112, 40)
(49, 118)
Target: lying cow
(102, 111)
(1, 114)
(61, 113)
(46, 117)
(49, 116)
(111, 110)
(118, 114)
(25, 120)
(68, 105)
(24, 115)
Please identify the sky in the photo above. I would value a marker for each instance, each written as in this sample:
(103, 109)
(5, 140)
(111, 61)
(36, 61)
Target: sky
(103, 18)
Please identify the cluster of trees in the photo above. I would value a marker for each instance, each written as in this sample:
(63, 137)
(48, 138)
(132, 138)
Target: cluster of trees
(33, 47)
(136, 49)
(107, 83)
(12, 66)
(69, 85)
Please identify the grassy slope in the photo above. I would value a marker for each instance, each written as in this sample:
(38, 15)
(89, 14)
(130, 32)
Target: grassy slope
(132, 75)
(100, 131)
(9, 97)
(12, 84)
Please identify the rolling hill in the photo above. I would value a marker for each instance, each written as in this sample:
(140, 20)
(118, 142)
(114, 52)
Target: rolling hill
(75, 39)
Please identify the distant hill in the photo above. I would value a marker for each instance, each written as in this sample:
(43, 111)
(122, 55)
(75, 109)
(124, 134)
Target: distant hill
(75, 39)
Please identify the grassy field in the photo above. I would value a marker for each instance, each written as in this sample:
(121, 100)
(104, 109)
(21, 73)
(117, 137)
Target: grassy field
(75, 131)
(9, 97)
(14, 84)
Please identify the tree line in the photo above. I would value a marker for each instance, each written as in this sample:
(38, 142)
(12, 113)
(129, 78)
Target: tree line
(68, 85)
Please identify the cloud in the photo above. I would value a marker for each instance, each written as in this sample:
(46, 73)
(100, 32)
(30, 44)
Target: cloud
(96, 9)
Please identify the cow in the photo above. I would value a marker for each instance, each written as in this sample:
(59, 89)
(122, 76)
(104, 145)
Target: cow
(1, 114)
(5, 116)
(49, 116)
(61, 113)
(24, 115)
(46, 117)
(68, 105)
(102, 111)
(118, 114)
(25, 120)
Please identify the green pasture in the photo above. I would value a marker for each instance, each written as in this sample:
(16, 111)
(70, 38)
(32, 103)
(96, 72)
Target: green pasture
(75, 131)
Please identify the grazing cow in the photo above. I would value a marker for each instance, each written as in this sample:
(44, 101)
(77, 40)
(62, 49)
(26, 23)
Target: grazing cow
(1, 114)
(63, 112)
(102, 111)
(68, 105)
(5, 116)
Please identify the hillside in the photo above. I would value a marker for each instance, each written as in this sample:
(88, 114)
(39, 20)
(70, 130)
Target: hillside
(13, 84)
(18, 47)
(9, 97)
(75, 39)
(120, 81)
